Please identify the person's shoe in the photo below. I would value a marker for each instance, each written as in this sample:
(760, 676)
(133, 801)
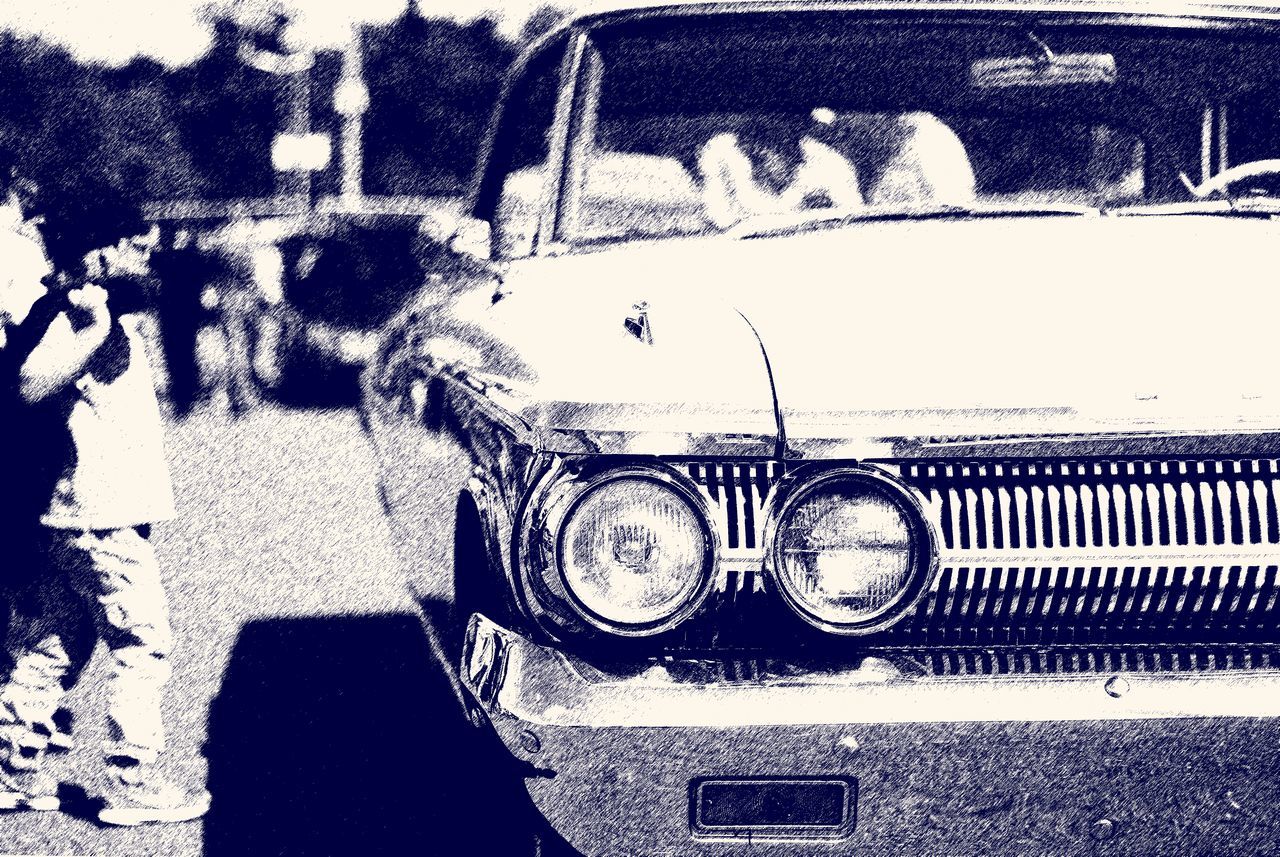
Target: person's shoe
(23, 785)
(60, 739)
(138, 794)
(57, 731)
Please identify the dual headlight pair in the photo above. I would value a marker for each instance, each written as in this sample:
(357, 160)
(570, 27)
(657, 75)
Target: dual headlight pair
(633, 550)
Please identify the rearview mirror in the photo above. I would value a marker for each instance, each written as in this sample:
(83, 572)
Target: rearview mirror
(1040, 71)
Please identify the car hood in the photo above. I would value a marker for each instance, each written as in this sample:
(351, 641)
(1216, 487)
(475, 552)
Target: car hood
(886, 337)
(944, 331)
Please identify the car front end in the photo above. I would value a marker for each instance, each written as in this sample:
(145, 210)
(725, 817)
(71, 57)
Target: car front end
(1083, 660)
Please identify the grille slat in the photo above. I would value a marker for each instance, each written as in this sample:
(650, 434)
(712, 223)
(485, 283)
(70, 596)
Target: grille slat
(1087, 505)
(1095, 660)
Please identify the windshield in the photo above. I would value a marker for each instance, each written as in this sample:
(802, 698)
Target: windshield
(710, 125)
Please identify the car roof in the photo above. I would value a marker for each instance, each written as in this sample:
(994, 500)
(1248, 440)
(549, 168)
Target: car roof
(1260, 9)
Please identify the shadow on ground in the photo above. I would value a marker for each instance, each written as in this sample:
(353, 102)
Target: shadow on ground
(341, 736)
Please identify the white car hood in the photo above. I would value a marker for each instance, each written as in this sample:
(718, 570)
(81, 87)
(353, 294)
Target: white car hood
(1053, 325)
(880, 332)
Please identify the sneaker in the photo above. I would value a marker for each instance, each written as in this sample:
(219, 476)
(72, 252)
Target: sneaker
(57, 731)
(23, 785)
(137, 794)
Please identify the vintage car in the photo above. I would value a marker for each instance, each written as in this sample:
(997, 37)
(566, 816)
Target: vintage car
(860, 427)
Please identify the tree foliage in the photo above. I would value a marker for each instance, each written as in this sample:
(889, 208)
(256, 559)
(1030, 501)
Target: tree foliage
(100, 142)
(432, 87)
(97, 143)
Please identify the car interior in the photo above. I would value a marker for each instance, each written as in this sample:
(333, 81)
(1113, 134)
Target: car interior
(974, 115)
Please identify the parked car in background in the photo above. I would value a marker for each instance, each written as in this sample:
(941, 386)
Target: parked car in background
(343, 276)
(867, 429)
(325, 277)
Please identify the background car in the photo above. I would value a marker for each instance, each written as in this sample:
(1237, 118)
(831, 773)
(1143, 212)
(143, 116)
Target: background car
(343, 276)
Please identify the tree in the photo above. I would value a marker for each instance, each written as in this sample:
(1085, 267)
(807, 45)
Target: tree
(227, 114)
(99, 144)
(543, 20)
(433, 84)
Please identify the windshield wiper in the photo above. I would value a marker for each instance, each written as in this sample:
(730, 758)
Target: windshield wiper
(1257, 207)
(633, 235)
(770, 225)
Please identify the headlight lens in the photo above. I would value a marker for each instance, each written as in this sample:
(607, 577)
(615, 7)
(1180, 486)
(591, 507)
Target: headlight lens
(633, 552)
(848, 551)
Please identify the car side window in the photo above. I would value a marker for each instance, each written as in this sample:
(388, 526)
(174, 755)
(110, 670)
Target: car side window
(523, 147)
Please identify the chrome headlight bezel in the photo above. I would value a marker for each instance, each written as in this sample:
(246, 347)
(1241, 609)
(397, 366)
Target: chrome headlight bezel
(797, 488)
(544, 570)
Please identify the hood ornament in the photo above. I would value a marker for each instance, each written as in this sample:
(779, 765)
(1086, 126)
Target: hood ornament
(637, 324)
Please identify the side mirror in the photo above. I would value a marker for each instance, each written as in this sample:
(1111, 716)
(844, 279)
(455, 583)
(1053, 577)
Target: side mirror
(519, 210)
(465, 236)
(471, 238)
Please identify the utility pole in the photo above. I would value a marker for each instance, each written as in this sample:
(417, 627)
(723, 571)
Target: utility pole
(263, 51)
(297, 95)
(351, 100)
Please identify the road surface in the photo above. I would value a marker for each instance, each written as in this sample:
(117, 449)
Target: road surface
(302, 686)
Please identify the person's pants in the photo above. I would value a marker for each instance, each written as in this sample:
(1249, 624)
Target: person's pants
(112, 575)
(179, 337)
(238, 308)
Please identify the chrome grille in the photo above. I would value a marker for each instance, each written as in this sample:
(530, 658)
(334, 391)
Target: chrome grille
(1093, 659)
(1037, 555)
(1097, 504)
(1016, 606)
(739, 490)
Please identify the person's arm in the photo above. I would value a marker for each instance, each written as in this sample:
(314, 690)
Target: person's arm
(729, 193)
(66, 346)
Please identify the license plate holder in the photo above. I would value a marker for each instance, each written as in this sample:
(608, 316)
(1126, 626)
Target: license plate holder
(773, 807)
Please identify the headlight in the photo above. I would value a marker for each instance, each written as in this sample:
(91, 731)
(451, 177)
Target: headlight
(851, 551)
(634, 554)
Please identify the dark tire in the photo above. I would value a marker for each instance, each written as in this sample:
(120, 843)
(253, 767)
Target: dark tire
(476, 585)
(468, 565)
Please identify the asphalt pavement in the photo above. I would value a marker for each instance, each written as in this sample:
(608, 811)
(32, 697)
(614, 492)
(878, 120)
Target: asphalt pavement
(303, 689)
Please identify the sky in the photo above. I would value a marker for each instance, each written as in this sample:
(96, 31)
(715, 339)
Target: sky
(178, 32)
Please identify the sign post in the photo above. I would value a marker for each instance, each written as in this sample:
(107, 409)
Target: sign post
(351, 100)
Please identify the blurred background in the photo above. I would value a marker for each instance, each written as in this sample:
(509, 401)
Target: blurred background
(173, 99)
(281, 154)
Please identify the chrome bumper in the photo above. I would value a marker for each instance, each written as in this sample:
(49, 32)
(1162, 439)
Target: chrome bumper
(1005, 764)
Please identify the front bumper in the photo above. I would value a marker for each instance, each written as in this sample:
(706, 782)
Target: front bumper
(1125, 764)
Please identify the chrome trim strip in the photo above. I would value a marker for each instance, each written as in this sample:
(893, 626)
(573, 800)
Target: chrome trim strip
(558, 143)
(538, 685)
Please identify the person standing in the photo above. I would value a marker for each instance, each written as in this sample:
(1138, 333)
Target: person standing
(80, 383)
(231, 252)
(183, 272)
